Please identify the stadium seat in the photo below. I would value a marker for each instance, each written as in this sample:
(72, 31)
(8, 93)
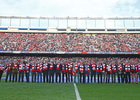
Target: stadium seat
(96, 29)
(77, 29)
(61, 29)
(3, 28)
(40, 29)
(111, 29)
(22, 28)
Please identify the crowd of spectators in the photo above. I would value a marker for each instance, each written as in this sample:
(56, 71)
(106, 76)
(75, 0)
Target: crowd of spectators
(84, 60)
(70, 42)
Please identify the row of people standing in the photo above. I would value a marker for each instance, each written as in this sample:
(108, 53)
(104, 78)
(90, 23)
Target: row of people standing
(104, 71)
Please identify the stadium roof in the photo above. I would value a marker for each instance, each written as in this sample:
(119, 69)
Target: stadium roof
(84, 18)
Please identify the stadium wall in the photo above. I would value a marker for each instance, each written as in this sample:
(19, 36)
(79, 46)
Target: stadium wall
(72, 55)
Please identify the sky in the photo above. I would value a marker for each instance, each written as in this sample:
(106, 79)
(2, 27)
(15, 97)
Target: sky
(70, 7)
(78, 8)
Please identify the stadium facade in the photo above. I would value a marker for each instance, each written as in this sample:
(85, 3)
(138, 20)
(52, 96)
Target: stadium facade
(70, 25)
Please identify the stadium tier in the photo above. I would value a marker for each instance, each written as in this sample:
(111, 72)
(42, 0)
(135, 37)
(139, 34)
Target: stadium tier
(83, 35)
(70, 42)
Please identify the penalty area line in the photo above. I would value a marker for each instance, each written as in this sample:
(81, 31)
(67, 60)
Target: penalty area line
(76, 92)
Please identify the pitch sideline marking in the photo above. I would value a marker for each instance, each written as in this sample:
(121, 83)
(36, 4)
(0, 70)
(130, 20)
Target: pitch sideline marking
(76, 92)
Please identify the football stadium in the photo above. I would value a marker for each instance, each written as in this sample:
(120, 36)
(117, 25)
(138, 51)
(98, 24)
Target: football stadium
(69, 58)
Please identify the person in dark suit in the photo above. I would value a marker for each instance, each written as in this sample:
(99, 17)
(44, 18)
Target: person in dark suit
(9, 71)
(64, 71)
(123, 72)
(51, 72)
(58, 71)
(93, 71)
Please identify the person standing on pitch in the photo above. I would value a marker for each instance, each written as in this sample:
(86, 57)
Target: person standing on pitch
(139, 70)
(123, 72)
(93, 71)
(87, 71)
(81, 71)
(58, 71)
(103, 73)
(108, 72)
(64, 71)
(39, 71)
(127, 73)
(27, 71)
(70, 76)
(45, 71)
(119, 72)
(9, 71)
(76, 70)
(1, 69)
(33, 72)
(114, 72)
(21, 71)
(51, 72)
(99, 72)
(14, 71)
(134, 71)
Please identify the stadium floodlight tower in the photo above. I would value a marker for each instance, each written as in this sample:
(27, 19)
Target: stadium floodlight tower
(52, 24)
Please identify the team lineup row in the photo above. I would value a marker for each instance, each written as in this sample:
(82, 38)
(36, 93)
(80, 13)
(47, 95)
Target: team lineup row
(105, 69)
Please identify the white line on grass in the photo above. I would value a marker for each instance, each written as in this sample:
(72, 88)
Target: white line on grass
(76, 92)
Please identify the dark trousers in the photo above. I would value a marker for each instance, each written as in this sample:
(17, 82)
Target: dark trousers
(14, 77)
(39, 74)
(58, 74)
(114, 77)
(21, 74)
(123, 77)
(45, 76)
(51, 75)
(108, 77)
(127, 77)
(138, 76)
(1, 72)
(64, 74)
(93, 73)
(27, 76)
(120, 77)
(9, 73)
(33, 76)
(99, 77)
(86, 73)
(70, 79)
(82, 76)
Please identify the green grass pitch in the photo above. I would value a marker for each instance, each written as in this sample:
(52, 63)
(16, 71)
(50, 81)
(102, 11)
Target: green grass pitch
(37, 91)
(109, 91)
(65, 91)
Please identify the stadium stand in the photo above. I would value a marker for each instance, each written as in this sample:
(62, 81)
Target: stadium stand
(70, 42)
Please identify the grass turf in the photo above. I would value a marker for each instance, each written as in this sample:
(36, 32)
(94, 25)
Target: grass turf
(109, 91)
(37, 91)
